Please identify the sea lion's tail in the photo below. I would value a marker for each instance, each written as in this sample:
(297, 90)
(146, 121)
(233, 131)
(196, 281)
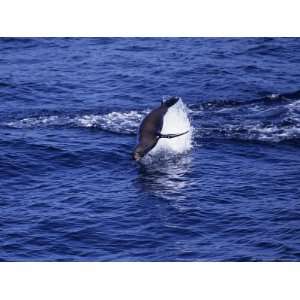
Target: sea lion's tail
(170, 102)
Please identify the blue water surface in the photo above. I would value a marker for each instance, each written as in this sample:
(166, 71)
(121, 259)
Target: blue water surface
(69, 112)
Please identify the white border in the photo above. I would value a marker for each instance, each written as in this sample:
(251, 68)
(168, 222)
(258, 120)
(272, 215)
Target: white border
(149, 281)
(214, 18)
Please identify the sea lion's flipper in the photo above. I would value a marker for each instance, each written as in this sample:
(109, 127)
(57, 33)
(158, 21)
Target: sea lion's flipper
(170, 136)
(170, 102)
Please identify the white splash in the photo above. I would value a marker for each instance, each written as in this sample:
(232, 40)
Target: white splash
(124, 122)
(176, 121)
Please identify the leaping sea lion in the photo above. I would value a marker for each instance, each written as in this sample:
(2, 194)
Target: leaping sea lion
(150, 129)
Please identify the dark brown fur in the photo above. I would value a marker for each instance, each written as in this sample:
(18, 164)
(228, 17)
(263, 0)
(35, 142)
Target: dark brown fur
(151, 126)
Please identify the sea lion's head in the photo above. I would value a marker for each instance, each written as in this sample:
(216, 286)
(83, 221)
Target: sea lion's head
(141, 150)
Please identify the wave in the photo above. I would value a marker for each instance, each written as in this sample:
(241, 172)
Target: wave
(258, 132)
(272, 118)
(117, 122)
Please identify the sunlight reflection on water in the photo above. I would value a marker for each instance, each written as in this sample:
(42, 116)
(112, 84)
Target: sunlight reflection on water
(166, 179)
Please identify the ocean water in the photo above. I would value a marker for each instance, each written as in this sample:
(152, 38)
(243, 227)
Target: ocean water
(69, 113)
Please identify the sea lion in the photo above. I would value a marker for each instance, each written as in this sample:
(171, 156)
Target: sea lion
(150, 129)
